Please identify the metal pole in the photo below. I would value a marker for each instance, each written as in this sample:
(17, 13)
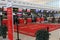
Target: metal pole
(0, 17)
(17, 27)
(0, 20)
(17, 32)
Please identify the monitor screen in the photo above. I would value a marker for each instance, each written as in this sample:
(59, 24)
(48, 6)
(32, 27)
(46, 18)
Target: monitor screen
(19, 14)
(19, 10)
(28, 10)
(15, 9)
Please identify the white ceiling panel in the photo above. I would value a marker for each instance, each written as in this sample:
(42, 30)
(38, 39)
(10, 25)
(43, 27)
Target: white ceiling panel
(41, 1)
(48, 3)
(55, 3)
(37, 1)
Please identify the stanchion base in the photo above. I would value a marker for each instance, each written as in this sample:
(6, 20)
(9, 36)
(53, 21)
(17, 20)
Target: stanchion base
(18, 39)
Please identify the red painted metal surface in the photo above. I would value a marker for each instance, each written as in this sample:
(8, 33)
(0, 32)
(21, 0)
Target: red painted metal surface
(38, 19)
(29, 20)
(10, 24)
(21, 20)
(4, 21)
(42, 19)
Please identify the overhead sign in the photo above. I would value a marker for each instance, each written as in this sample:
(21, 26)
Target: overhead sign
(28, 10)
(19, 14)
(19, 10)
(5, 9)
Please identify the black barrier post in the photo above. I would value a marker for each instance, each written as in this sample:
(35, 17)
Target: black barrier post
(0, 23)
(17, 27)
(0, 20)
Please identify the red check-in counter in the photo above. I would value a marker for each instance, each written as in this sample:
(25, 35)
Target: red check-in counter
(29, 20)
(32, 28)
(21, 20)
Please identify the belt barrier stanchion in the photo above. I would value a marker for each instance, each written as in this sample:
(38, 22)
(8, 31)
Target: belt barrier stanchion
(0, 19)
(0, 23)
(17, 22)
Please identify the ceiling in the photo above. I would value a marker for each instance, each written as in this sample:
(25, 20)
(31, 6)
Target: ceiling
(41, 1)
(38, 1)
(44, 2)
(51, 3)
(55, 3)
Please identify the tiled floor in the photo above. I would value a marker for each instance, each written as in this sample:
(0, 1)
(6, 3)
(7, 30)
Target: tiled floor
(54, 36)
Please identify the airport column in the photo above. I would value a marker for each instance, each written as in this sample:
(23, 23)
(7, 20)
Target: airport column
(10, 21)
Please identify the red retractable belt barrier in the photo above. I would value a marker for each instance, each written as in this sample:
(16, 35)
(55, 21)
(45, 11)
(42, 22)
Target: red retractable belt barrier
(4, 21)
(42, 19)
(21, 20)
(38, 19)
(29, 20)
